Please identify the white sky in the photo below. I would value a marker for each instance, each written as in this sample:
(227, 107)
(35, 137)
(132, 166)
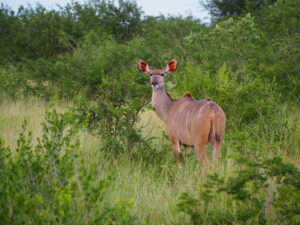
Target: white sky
(150, 7)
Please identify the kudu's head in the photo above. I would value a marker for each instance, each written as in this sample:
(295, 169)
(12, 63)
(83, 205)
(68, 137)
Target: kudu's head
(157, 75)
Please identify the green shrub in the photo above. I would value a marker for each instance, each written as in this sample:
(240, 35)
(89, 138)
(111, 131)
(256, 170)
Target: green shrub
(48, 184)
(115, 113)
(261, 192)
(13, 83)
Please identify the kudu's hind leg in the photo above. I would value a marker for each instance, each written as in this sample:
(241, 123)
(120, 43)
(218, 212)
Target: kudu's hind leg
(216, 151)
(176, 150)
(201, 152)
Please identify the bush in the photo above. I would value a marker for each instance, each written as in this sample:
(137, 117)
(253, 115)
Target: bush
(115, 113)
(261, 192)
(46, 183)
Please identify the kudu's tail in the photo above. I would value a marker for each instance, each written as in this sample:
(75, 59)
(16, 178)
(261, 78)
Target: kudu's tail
(217, 121)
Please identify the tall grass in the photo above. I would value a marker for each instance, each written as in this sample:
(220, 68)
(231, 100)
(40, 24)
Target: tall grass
(153, 189)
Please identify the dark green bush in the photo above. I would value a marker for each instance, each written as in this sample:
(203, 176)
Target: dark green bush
(254, 48)
(35, 32)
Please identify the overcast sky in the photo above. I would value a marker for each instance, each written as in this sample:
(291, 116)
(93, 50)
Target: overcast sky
(150, 7)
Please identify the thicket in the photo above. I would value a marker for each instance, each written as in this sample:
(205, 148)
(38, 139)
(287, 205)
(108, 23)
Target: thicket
(86, 53)
(225, 8)
(263, 192)
(49, 183)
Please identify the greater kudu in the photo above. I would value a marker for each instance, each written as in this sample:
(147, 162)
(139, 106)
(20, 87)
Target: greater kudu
(189, 122)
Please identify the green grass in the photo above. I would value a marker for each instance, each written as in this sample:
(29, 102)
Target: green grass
(154, 188)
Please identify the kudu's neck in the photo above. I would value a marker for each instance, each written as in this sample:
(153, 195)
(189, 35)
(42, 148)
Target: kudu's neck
(162, 102)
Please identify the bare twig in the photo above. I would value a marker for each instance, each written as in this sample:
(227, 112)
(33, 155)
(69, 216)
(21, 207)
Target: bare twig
(269, 200)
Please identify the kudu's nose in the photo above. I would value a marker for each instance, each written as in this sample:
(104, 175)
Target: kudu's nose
(154, 83)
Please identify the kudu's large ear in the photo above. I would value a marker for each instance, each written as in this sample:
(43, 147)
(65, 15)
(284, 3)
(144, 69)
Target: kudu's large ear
(171, 66)
(143, 66)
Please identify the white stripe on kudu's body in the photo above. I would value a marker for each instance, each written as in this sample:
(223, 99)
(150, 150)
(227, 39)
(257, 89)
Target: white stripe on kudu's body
(189, 122)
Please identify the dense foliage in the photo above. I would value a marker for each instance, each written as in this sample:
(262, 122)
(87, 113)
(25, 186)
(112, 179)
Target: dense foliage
(252, 189)
(222, 8)
(85, 53)
(47, 183)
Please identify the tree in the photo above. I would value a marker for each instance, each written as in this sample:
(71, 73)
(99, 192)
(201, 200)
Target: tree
(221, 8)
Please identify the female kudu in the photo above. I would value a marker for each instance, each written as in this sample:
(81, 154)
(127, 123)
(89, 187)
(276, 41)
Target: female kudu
(189, 122)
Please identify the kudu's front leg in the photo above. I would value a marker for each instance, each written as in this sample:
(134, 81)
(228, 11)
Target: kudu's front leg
(176, 150)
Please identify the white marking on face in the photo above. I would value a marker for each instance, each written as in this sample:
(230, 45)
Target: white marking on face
(156, 86)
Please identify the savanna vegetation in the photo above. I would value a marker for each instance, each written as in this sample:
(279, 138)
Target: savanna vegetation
(80, 144)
